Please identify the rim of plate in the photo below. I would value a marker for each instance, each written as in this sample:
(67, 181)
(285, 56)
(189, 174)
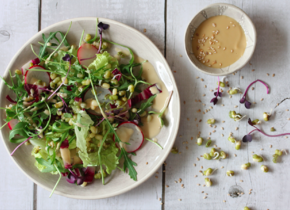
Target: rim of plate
(234, 70)
(175, 128)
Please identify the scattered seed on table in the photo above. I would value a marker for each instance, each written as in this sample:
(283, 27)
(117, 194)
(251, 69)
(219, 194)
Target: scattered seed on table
(167, 185)
(215, 145)
(286, 137)
(270, 146)
(236, 106)
(214, 131)
(204, 197)
(203, 95)
(198, 184)
(197, 159)
(146, 163)
(268, 74)
(222, 128)
(197, 77)
(218, 148)
(253, 69)
(223, 105)
(159, 199)
(242, 77)
(195, 176)
(253, 88)
(215, 126)
(202, 80)
(201, 167)
(194, 164)
(202, 191)
(179, 180)
(206, 194)
(241, 181)
(230, 96)
(273, 75)
(156, 177)
(222, 135)
(250, 193)
(288, 118)
(262, 149)
(205, 86)
(235, 155)
(229, 194)
(179, 199)
(203, 185)
(222, 167)
(209, 133)
(237, 128)
(287, 110)
(262, 99)
(223, 121)
(182, 185)
(211, 90)
(224, 201)
(145, 30)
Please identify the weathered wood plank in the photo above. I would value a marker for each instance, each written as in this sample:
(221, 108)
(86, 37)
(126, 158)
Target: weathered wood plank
(269, 189)
(140, 15)
(16, 190)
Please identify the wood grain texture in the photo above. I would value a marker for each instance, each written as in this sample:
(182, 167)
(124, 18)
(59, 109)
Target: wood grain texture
(141, 15)
(269, 189)
(16, 190)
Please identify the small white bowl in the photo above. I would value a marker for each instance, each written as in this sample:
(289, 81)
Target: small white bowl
(231, 11)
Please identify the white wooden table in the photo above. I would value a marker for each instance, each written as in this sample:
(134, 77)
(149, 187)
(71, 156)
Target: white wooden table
(165, 22)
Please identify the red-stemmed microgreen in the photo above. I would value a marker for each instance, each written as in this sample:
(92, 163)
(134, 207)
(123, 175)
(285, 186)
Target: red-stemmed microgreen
(248, 137)
(19, 146)
(243, 100)
(68, 58)
(216, 94)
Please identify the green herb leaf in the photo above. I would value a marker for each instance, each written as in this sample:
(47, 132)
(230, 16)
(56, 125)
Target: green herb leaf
(19, 129)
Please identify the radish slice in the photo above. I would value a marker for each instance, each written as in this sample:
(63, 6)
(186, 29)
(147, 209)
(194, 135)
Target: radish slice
(89, 97)
(65, 154)
(32, 77)
(87, 54)
(12, 123)
(25, 66)
(131, 133)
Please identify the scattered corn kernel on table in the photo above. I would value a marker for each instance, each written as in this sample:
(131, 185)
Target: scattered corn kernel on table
(179, 184)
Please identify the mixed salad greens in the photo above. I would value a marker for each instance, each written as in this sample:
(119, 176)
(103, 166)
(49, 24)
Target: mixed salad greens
(80, 108)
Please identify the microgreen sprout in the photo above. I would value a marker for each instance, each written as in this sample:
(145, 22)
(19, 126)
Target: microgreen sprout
(216, 94)
(212, 151)
(199, 141)
(243, 100)
(223, 155)
(210, 121)
(206, 156)
(208, 182)
(208, 172)
(248, 137)
(264, 168)
(155, 142)
(232, 139)
(234, 91)
(278, 152)
(208, 143)
(257, 158)
(216, 155)
(256, 122)
(272, 129)
(236, 116)
(230, 173)
(246, 166)
(246, 208)
(238, 145)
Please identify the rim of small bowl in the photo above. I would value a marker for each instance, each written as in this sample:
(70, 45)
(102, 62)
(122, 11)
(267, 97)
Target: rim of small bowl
(175, 128)
(235, 69)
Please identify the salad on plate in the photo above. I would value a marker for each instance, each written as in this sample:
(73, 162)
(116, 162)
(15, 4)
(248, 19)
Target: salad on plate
(85, 109)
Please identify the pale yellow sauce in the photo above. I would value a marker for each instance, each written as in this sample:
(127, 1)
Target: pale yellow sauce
(152, 128)
(219, 42)
(124, 134)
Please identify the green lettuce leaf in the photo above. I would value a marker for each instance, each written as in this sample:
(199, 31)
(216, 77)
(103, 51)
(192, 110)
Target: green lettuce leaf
(82, 127)
(99, 65)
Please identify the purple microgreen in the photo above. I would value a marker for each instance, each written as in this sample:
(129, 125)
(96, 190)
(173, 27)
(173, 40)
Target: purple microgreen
(62, 80)
(103, 26)
(247, 138)
(247, 104)
(67, 57)
(19, 146)
(244, 100)
(216, 94)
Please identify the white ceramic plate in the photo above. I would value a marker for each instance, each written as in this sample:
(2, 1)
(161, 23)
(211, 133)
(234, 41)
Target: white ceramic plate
(231, 11)
(118, 182)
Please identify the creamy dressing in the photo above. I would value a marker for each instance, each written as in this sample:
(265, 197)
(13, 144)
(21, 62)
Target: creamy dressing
(219, 41)
(124, 134)
(152, 128)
